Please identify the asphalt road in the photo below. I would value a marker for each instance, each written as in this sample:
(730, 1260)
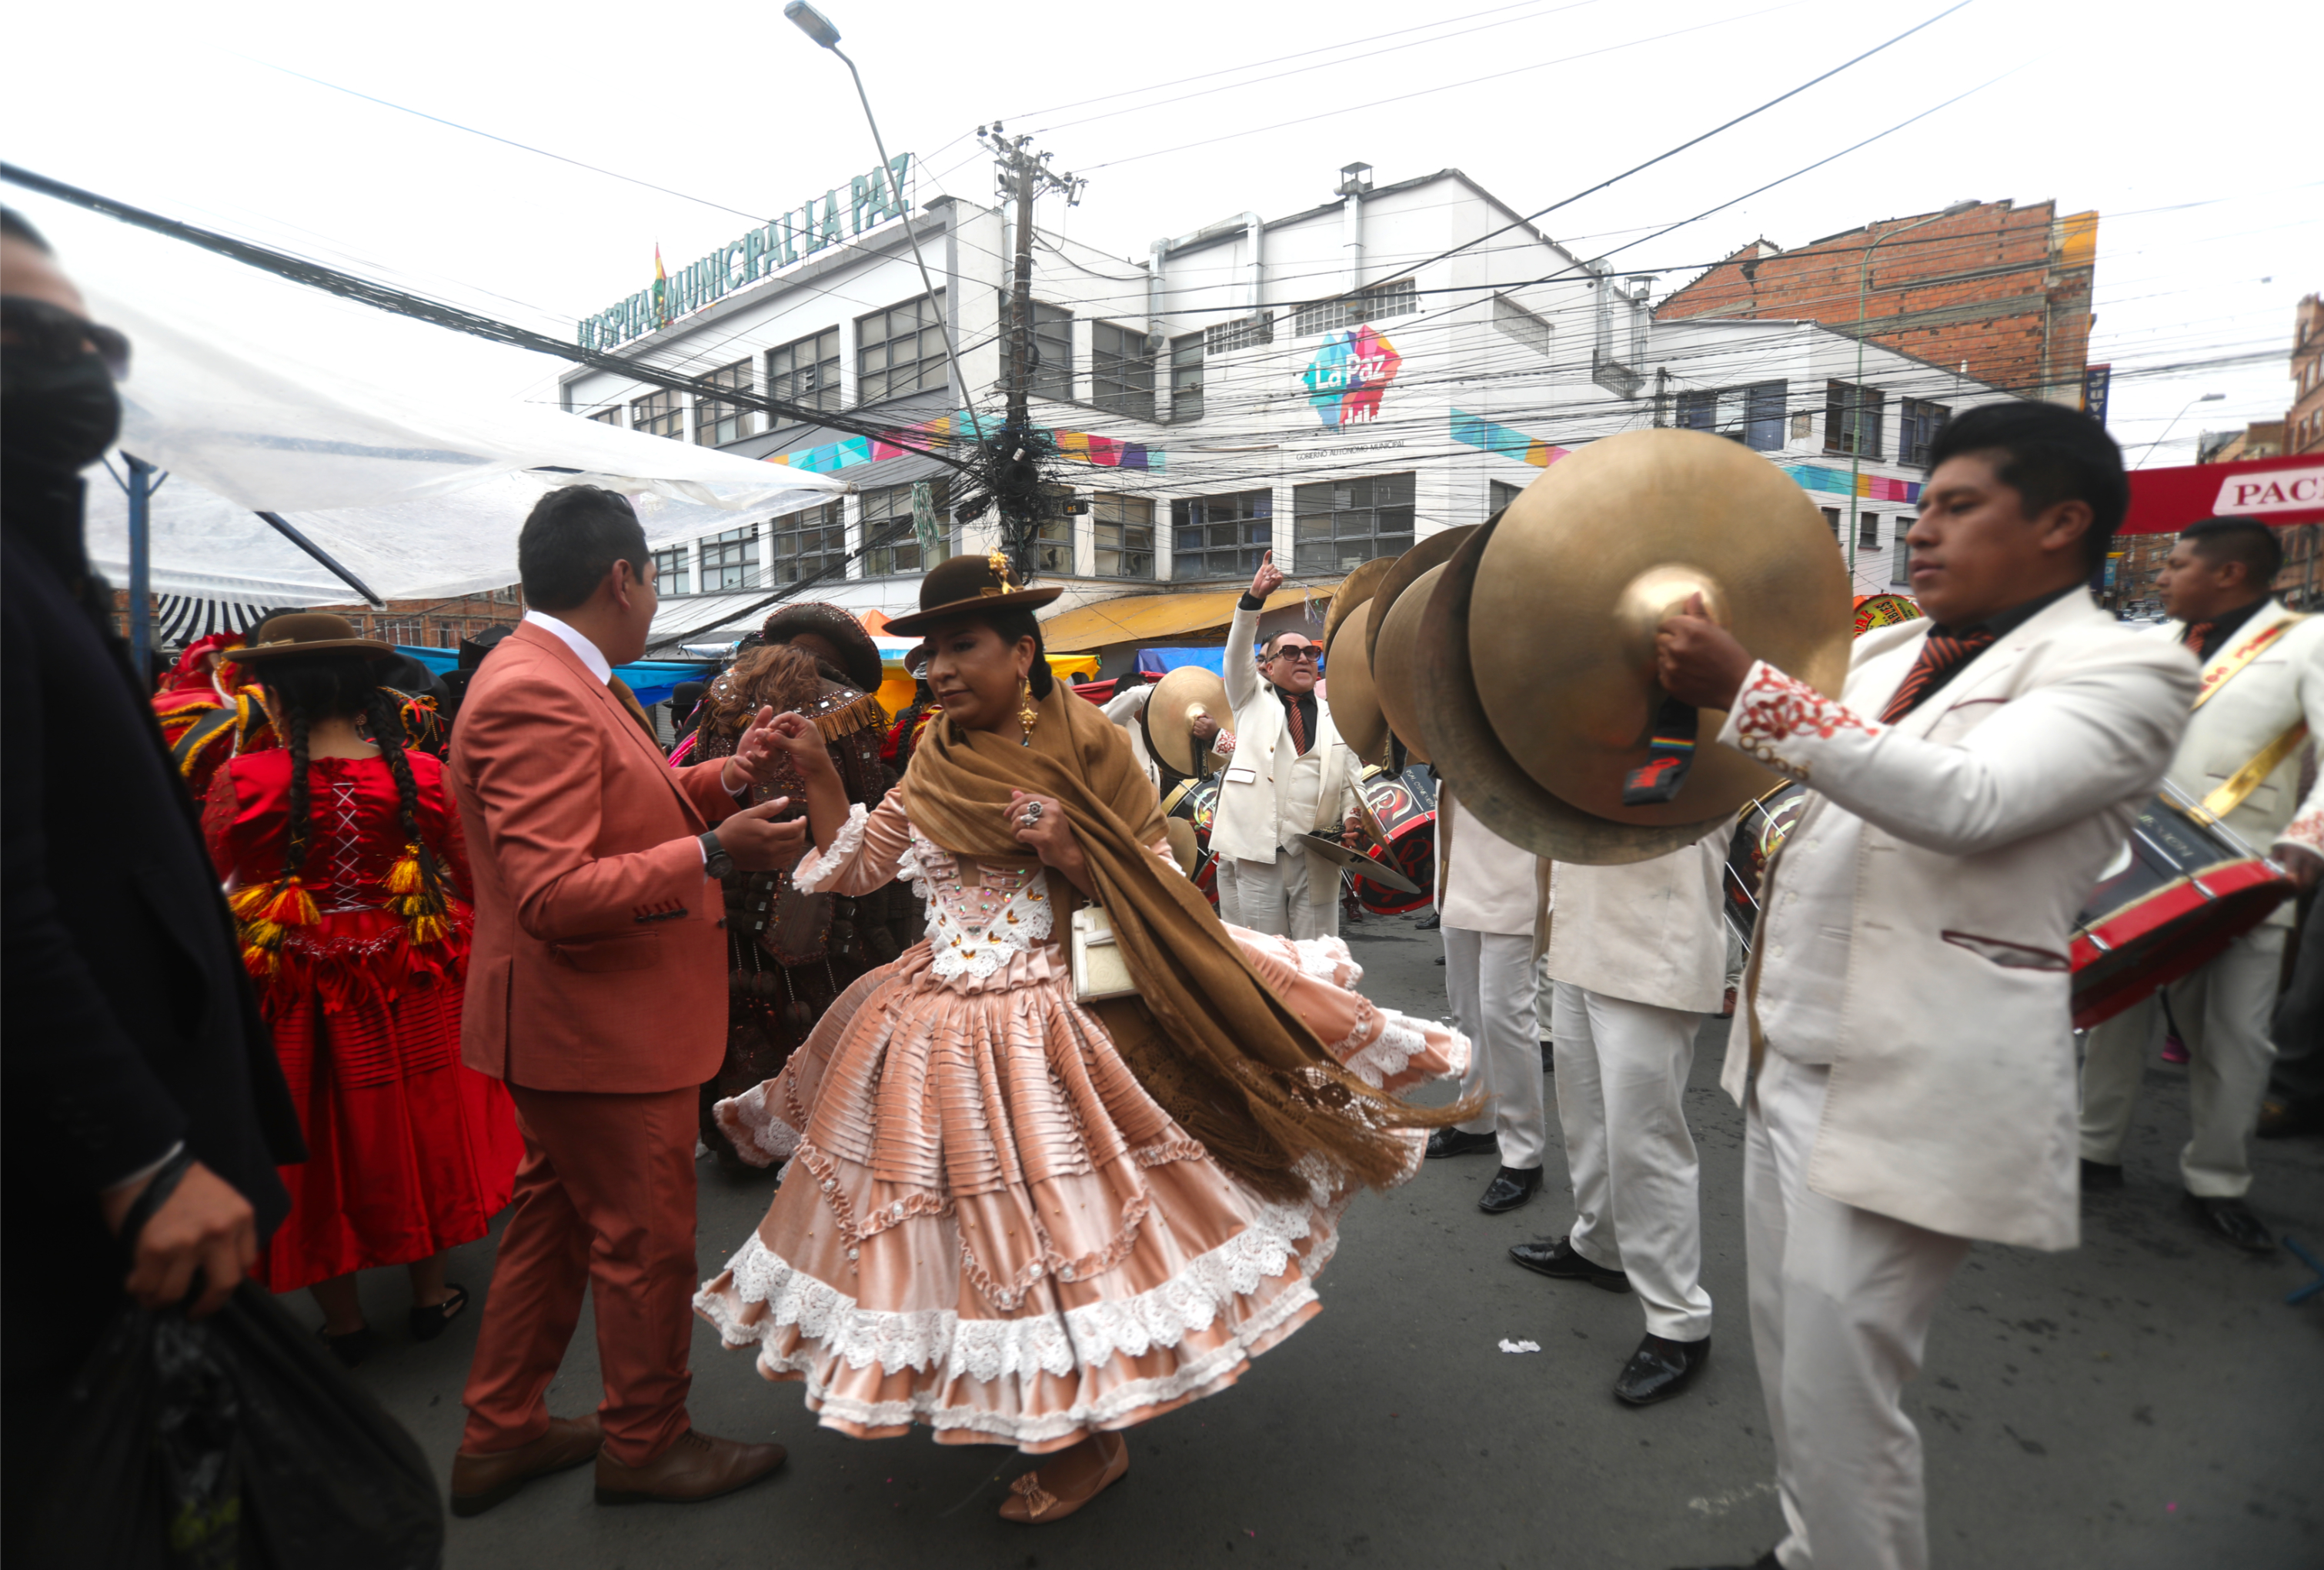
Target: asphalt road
(2147, 1401)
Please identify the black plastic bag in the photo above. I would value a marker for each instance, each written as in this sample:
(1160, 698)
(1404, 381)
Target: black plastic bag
(234, 1443)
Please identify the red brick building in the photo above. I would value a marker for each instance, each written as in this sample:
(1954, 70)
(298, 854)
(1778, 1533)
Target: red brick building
(2000, 292)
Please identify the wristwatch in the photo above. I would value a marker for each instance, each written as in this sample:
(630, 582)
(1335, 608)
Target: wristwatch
(715, 861)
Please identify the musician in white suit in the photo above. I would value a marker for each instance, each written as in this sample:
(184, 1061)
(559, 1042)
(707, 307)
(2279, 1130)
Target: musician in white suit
(2262, 700)
(1291, 774)
(1903, 1050)
(1637, 955)
(1491, 894)
(1127, 708)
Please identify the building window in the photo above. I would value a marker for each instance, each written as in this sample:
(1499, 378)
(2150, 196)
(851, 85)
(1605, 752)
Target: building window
(1517, 322)
(807, 372)
(1124, 527)
(1867, 530)
(1917, 424)
(1381, 301)
(801, 545)
(884, 510)
(1186, 378)
(611, 417)
(408, 631)
(1900, 557)
(1053, 347)
(900, 350)
(1752, 415)
(716, 423)
(659, 414)
(1221, 536)
(1848, 411)
(1500, 494)
(1830, 520)
(1123, 368)
(731, 560)
(674, 571)
(1340, 523)
(1243, 333)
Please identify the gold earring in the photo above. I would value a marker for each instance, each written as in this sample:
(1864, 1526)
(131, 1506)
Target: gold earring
(1027, 717)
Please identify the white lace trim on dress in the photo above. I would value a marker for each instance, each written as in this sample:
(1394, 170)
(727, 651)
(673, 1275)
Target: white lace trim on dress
(760, 1134)
(1387, 1055)
(1327, 959)
(991, 1349)
(817, 868)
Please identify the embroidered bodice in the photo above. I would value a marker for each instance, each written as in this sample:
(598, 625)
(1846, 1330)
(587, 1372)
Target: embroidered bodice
(354, 829)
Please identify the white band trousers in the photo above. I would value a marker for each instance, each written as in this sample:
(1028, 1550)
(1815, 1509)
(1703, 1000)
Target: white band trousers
(2222, 1011)
(1489, 980)
(1621, 1089)
(1841, 1304)
(1287, 897)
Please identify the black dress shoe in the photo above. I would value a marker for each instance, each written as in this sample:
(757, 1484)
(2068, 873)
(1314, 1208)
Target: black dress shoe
(1555, 1257)
(2232, 1220)
(1659, 1370)
(1766, 1560)
(2099, 1174)
(1510, 1187)
(1430, 923)
(1446, 1142)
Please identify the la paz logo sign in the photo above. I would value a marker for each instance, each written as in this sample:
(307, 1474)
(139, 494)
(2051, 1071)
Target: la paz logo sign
(1348, 375)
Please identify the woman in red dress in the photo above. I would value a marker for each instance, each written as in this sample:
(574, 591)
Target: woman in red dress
(345, 862)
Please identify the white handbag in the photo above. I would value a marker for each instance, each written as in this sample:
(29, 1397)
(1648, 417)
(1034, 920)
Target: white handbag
(1099, 972)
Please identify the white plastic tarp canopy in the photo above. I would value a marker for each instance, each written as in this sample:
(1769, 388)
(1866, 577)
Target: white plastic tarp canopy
(420, 493)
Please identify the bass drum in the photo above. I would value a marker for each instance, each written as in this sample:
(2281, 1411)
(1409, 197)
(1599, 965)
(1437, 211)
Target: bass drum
(2170, 901)
(1758, 832)
(1406, 807)
(1197, 802)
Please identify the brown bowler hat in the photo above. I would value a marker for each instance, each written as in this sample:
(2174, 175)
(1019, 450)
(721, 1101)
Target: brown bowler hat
(306, 632)
(859, 656)
(970, 586)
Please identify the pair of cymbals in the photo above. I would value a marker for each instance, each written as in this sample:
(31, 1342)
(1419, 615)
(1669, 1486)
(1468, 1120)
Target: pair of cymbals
(1182, 697)
(1530, 661)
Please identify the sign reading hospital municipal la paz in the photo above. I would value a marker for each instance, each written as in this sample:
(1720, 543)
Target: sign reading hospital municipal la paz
(816, 225)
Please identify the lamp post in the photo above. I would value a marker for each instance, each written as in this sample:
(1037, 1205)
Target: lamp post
(2200, 397)
(1856, 393)
(819, 27)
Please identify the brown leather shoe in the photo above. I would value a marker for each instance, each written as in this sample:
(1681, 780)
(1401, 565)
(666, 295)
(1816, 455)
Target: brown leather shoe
(480, 1481)
(695, 1467)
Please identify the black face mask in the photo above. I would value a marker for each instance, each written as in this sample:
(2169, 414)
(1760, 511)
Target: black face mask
(60, 414)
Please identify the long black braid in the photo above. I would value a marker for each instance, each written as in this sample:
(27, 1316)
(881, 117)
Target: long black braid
(386, 716)
(294, 843)
(302, 689)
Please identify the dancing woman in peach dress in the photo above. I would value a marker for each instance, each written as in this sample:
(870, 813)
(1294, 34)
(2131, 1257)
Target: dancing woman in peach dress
(1018, 1218)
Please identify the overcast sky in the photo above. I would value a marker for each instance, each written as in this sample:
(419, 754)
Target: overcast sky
(2182, 127)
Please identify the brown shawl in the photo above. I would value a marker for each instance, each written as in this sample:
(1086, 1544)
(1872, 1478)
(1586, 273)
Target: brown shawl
(1206, 1038)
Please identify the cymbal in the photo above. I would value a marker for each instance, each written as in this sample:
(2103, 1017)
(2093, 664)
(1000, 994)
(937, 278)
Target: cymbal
(1437, 548)
(1179, 697)
(1351, 698)
(1394, 650)
(1358, 863)
(1354, 589)
(1181, 836)
(1479, 770)
(1586, 563)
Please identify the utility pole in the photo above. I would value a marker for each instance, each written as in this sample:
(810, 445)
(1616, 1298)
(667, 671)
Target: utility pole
(1022, 175)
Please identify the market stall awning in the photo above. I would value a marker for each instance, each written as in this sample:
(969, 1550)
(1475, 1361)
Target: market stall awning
(417, 491)
(1144, 618)
(2277, 491)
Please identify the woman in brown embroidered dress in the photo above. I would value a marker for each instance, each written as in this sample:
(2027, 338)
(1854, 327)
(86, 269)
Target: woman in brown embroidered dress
(1018, 1217)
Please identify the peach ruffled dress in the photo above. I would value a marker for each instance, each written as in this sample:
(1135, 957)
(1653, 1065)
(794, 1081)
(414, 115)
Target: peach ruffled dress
(986, 1225)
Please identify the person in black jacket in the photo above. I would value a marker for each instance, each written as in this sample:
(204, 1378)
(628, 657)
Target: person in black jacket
(128, 1031)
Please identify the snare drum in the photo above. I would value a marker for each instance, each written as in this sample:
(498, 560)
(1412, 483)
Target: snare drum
(1197, 801)
(2170, 902)
(1407, 809)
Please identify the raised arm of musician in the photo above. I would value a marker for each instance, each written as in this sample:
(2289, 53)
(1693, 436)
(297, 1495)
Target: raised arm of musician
(1242, 672)
(2087, 724)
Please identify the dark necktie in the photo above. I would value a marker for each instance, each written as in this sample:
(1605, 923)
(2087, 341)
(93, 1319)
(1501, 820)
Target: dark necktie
(1940, 658)
(2198, 635)
(629, 700)
(1298, 725)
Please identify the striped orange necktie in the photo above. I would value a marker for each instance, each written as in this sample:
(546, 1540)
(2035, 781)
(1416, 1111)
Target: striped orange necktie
(1940, 657)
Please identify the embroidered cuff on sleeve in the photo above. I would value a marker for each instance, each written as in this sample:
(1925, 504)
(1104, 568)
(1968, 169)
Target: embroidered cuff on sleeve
(1773, 709)
(2306, 831)
(817, 868)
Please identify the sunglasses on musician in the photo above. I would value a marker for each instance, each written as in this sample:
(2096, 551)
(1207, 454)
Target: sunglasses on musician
(1298, 652)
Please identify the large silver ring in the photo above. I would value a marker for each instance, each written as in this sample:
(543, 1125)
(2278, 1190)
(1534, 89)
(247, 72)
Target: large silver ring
(1032, 815)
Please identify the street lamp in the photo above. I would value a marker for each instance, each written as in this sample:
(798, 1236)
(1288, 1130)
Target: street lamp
(1856, 440)
(819, 27)
(2204, 398)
